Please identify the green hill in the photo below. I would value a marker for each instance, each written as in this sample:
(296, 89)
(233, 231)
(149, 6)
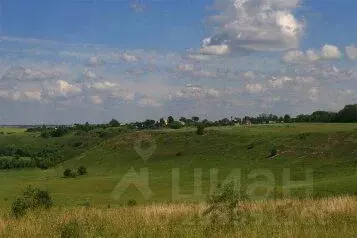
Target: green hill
(184, 163)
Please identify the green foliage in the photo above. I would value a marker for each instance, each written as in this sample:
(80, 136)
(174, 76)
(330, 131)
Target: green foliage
(71, 229)
(114, 123)
(200, 129)
(273, 152)
(132, 203)
(223, 205)
(347, 114)
(81, 170)
(66, 173)
(175, 125)
(32, 198)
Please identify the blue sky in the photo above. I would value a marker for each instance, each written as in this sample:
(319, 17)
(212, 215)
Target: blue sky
(91, 60)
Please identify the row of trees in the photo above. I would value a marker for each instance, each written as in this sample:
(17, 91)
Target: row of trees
(347, 114)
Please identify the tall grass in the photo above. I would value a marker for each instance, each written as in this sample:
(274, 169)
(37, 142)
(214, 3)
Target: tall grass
(330, 217)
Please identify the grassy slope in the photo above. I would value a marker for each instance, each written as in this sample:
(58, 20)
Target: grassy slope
(333, 217)
(329, 149)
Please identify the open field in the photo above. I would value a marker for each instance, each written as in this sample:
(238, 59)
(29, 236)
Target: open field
(173, 172)
(331, 217)
(328, 150)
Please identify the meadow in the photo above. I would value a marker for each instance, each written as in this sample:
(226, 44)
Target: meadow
(164, 170)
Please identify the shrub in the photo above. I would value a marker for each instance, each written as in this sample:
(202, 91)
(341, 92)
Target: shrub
(45, 134)
(73, 174)
(176, 125)
(273, 152)
(82, 170)
(132, 203)
(223, 206)
(66, 173)
(200, 129)
(32, 198)
(71, 230)
(19, 207)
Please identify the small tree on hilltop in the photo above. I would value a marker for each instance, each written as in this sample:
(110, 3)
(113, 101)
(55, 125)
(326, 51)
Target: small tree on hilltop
(114, 123)
(82, 170)
(200, 129)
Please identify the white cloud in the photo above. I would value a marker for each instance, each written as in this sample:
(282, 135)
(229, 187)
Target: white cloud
(129, 57)
(258, 25)
(278, 82)
(198, 57)
(254, 87)
(330, 52)
(297, 56)
(214, 49)
(149, 102)
(93, 61)
(104, 85)
(31, 74)
(249, 75)
(33, 95)
(95, 99)
(62, 88)
(351, 52)
(314, 93)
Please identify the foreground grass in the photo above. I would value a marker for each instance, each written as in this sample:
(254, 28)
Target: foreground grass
(329, 217)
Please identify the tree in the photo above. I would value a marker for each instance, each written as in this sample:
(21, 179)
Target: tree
(114, 123)
(162, 122)
(347, 114)
(82, 170)
(287, 118)
(200, 129)
(170, 120)
(195, 119)
(66, 173)
(183, 119)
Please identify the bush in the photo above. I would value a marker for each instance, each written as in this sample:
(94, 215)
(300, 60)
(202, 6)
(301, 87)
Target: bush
(200, 129)
(71, 230)
(176, 125)
(73, 174)
(19, 207)
(66, 173)
(132, 203)
(223, 206)
(273, 152)
(82, 170)
(32, 198)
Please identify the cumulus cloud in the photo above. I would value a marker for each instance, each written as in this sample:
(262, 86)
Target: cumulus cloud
(129, 57)
(314, 93)
(196, 92)
(19, 73)
(254, 87)
(104, 85)
(254, 25)
(249, 75)
(351, 52)
(279, 82)
(213, 49)
(95, 99)
(297, 56)
(149, 102)
(330, 52)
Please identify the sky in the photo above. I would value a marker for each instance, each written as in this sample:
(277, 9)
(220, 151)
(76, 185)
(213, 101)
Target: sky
(75, 61)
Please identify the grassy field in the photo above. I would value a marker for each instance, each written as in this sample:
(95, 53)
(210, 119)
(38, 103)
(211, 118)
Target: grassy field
(178, 166)
(332, 217)
(329, 150)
